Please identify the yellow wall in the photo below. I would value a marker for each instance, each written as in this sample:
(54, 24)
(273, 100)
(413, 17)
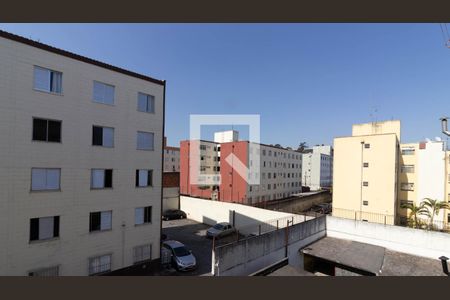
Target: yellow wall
(381, 176)
(377, 128)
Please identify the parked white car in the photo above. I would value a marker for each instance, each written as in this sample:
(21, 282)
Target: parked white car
(182, 259)
(220, 230)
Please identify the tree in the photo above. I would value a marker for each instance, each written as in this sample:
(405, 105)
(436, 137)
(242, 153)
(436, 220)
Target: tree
(433, 207)
(302, 146)
(414, 212)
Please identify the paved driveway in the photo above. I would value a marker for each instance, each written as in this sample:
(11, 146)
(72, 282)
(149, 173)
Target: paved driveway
(193, 235)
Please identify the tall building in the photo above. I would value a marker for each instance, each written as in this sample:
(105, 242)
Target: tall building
(375, 175)
(279, 175)
(365, 171)
(171, 158)
(80, 174)
(317, 167)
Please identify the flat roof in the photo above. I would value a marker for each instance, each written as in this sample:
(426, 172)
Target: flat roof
(65, 53)
(290, 271)
(374, 259)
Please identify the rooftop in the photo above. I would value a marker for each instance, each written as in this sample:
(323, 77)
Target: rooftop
(373, 259)
(91, 61)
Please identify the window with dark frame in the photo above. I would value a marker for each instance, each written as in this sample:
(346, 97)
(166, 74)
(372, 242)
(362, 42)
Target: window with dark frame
(101, 178)
(365, 183)
(367, 146)
(365, 203)
(143, 215)
(100, 221)
(144, 178)
(366, 165)
(46, 130)
(102, 136)
(44, 228)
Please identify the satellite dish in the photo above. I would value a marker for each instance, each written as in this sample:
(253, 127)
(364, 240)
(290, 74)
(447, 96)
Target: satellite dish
(438, 139)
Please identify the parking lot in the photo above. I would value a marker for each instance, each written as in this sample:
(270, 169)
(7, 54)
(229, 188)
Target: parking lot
(193, 235)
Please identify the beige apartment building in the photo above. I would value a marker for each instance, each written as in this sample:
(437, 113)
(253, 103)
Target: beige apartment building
(80, 174)
(374, 174)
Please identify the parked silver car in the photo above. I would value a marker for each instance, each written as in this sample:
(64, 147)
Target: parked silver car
(220, 230)
(182, 258)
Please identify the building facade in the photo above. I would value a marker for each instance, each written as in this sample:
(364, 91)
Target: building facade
(279, 173)
(317, 167)
(171, 158)
(80, 178)
(375, 175)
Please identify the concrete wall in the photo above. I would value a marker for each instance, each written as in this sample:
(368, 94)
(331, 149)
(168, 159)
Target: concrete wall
(299, 204)
(171, 198)
(413, 241)
(252, 254)
(245, 217)
(76, 156)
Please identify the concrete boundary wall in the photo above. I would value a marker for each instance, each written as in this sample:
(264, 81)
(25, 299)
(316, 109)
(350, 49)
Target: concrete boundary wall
(211, 212)
(252, 254)
(408, 240)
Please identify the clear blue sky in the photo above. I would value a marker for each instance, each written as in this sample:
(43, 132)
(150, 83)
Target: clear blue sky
(309, 82)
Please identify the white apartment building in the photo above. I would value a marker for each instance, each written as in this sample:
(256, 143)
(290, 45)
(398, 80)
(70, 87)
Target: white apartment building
(279, 175)
(317, 171)
(171, 158)
(80, 174)
(281, 171)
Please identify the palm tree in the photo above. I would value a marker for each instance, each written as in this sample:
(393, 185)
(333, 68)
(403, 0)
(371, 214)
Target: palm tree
(414, 212)
(433, 206)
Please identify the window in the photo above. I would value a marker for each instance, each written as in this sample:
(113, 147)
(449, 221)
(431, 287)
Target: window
(365, 203)
(405, 202)
(143, 215)
(45, 272)
(407, 169)
(408, 151)
(101, 178)
(100, 220)
(146, 103)
(44, 228)
(99, 264)
(366, 165)
(46, 130)
(202, 147)
(47, 80)
(367, 146)
(407, 186)
(144, 178)
(268, 186)
(103, 93)
(142, 253)
(145, 140)
(365, 183)
(102, 136)
(45, 179)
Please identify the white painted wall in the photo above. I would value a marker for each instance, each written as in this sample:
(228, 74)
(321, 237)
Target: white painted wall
(226, 136)
(212, 212)
(431, 174)
(171, 198)
(418, 242)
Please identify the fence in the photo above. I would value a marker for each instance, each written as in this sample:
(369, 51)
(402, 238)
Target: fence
(274, 224)
(421, 223)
